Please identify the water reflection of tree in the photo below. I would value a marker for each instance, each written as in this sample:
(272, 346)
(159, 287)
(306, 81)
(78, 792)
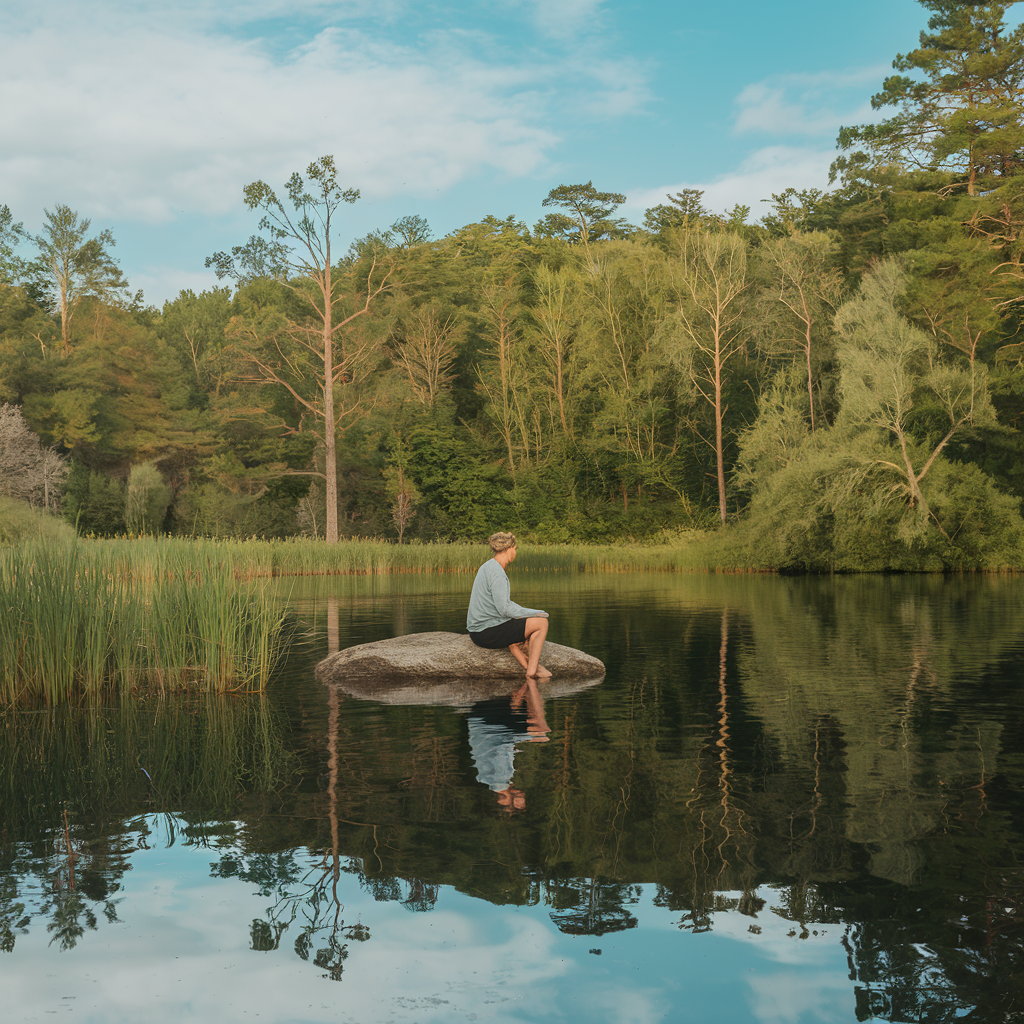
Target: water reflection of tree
(421, 895)
(317, 910)
(75, 872)
(942, 959)
(882, 671)
(81, 790)
(303, 886)
(589, 907)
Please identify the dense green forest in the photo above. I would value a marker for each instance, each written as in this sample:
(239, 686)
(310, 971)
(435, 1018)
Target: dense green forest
(840, 383)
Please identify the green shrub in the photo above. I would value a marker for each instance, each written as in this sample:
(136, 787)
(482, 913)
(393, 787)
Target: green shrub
(146, 500)
(94, 503)
(19, 521)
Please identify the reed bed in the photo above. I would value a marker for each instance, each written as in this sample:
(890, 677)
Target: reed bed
(80, 618)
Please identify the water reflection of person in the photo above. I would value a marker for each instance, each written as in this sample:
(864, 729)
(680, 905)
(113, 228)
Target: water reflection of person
(494, 620)
(496, 728)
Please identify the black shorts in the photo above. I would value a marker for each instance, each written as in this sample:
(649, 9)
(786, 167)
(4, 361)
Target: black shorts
(504, 634)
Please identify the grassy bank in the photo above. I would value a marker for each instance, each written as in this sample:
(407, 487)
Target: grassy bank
(737, 549)
(20, 522)
(82, 617)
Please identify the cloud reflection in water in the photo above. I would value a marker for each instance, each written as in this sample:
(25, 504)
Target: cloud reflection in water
(182, 949)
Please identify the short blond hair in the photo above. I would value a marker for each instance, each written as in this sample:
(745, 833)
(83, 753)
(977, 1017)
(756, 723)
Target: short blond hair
(501, 542)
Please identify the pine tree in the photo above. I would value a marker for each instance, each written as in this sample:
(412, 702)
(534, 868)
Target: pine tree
(589, 216)
(72, 266)
(295, 250)
(962, 103)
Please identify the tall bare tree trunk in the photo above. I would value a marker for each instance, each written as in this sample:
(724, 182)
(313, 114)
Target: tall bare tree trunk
(712, 279)
(65, 317)
(330, 452)
(810, 374)
(719, 448)
(309, 230)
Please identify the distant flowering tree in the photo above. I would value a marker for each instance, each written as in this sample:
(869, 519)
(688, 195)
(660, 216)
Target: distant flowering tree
(28, 471)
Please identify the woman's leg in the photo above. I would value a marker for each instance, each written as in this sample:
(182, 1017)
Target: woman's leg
(519, 654)
(536, 631)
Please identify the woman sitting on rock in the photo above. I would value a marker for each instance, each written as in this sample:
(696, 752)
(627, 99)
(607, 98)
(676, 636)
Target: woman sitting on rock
(494, 620)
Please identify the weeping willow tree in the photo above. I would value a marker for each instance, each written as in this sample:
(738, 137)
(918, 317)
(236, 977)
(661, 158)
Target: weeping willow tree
(877, 488)
(888, 370)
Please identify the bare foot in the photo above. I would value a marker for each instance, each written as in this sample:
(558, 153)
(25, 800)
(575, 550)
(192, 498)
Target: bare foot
(541, 673)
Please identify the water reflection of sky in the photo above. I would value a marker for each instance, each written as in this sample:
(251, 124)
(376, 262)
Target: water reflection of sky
(181, 951)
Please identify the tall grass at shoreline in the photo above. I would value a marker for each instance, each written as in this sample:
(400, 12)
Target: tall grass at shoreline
(713, 551)
(252, 559)
(82, 617)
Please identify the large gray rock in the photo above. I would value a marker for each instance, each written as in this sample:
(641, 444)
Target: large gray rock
(448, 668)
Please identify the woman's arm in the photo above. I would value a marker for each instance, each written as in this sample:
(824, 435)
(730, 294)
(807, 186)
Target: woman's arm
(501, 594)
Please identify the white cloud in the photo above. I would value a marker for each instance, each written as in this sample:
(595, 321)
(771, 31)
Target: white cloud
(144, 124)
(567, 17)
(618, 87)
(112, 14)
(163, 282)
(806, 104)
(788, 997)
(144, 118)
(135, 112)
(765, 172)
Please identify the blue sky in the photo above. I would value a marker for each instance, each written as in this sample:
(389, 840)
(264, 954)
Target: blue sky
(150, 117)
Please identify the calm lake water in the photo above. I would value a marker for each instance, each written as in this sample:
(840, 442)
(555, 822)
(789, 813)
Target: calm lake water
(789, 800)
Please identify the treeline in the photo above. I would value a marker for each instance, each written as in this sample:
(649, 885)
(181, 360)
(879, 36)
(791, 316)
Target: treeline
(843, 378)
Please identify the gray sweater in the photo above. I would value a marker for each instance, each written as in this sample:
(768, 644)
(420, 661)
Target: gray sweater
(493, 749)
(490, 603)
